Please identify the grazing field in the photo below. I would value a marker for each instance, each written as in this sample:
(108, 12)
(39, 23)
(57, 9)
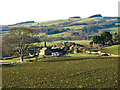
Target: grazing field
(89, 19)
(63, 72)
(42, 44)
(64, 34)
(75, 27)
(44, 23)
(82, 54)
(76, 41)
(112, 30)
(112, 49)
(55, 42)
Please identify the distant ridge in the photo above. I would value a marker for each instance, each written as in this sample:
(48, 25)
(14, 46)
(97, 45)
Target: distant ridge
(22, 23)
(112, 17)
(76, 17)
(25, 22)
(97, 15)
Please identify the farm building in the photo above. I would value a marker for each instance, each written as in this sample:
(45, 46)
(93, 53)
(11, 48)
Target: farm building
(45, 51)
(54, 51)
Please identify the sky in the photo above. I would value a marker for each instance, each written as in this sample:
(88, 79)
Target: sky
(15, 11)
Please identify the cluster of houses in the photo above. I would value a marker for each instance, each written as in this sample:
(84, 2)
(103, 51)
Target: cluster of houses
(59, 49)
(67, 47)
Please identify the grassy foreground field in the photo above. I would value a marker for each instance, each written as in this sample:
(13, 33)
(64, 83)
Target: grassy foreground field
(64, 72)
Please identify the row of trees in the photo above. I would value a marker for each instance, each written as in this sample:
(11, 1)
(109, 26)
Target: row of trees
(48, 30)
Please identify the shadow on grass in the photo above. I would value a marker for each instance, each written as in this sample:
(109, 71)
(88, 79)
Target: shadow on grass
(75, 58)
(11, 65)
(58, 59)
(7, 65)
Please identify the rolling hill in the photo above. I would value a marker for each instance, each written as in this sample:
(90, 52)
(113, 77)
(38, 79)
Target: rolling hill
(73, 28)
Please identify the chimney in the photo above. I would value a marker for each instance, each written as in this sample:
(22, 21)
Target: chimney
(45, 44)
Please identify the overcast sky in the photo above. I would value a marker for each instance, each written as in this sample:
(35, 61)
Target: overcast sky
(14, 11)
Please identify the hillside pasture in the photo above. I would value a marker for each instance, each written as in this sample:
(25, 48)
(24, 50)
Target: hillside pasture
(44, 23)
(112, 49)
(64, 34)
(89, 19)
(75, 27)
(112, 30)
(79, 41)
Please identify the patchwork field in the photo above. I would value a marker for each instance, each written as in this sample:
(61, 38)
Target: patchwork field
(63, 72)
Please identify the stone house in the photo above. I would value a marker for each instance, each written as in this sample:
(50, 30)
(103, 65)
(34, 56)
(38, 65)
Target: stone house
(45, 51)
(54, 51)
(72, 48)
(75, 51)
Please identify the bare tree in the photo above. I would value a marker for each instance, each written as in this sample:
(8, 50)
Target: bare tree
(20, 38)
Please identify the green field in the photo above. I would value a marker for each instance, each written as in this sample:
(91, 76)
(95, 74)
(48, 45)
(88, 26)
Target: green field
(44, 23)
(63, 72)
(53, 22)
(75, 41)
(112, 30)
(112, 49)
(55, 42)
(64, 34)
(75, 27)
(42, 44)
(82, 55)
(89, 19)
